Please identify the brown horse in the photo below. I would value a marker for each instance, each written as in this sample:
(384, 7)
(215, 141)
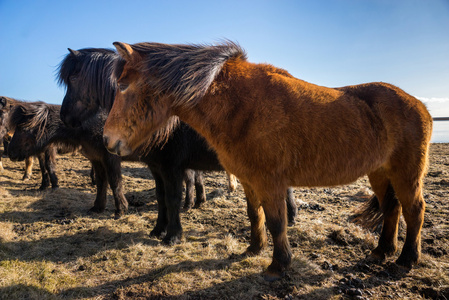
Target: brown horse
(46, 158)
(273, 131)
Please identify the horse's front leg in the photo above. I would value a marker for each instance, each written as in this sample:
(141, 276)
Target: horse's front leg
(173, 198)
(45, 176)
(50, 165)
(114, 175)
(162, 221)
(276, 216)
(102, 185)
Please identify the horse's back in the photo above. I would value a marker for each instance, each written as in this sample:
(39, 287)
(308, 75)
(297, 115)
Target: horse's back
(404, 117)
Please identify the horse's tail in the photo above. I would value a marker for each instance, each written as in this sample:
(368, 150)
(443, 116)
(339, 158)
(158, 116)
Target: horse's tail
(371, 214)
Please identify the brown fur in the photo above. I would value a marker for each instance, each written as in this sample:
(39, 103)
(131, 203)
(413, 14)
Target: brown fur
(273, 131)
(6, 105)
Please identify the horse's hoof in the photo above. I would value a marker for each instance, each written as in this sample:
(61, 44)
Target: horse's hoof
(405, 264)
(55, 187)
(253, 251)
(157, 233)
(198, 204)
(171, 240)
(376, 256)
(118, 215)
(187, 207)
(26, 177)
(95, 210)
(271, 276)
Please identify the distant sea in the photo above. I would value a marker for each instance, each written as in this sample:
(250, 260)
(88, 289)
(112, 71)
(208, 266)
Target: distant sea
(440, 132)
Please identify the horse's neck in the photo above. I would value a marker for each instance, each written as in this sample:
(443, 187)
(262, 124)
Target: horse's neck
(204, 119)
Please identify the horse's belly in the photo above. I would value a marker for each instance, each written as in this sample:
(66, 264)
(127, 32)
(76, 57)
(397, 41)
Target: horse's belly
(336, 170)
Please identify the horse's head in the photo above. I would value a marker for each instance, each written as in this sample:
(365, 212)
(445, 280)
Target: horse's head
(5, 108)
(86, 75)
(29, 122)
(139, 108)
(3, 115)
(155, 81)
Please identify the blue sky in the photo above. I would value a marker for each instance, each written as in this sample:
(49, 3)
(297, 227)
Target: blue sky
(330, 43)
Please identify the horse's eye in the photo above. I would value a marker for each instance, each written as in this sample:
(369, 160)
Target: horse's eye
(122, 87)
(73, 78)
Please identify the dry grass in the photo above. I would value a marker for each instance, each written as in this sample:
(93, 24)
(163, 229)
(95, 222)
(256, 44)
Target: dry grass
(51, 248)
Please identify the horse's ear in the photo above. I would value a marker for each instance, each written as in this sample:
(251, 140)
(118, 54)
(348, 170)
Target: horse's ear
(3, 102)
(125, 50)
(74, 52)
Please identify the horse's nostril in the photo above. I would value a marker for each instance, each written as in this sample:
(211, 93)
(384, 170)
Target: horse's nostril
(105, 141)
(117, 147)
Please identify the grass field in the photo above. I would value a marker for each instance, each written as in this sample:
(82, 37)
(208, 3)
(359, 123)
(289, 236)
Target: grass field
(52, 248)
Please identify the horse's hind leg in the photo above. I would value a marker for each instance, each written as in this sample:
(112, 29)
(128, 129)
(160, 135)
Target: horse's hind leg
(408, 168)
(50, 165)
(189, 179)
(232, 182)
(3, 153)
(257, 219)
(292, 209)
(410, 196)
(199, 189)
(194, 178)
(92, 175)
(389, 212)
(28, 168)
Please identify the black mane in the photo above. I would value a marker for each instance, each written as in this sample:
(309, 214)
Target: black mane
(31, 116)
(93, 68)
(185, 71)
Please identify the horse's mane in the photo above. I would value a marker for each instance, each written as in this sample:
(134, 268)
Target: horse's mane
(161, 136)
(93, 67)
(184, 71)
(31, 115)
(8, 101)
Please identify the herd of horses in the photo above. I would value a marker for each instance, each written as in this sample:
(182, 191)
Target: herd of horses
(185, 109)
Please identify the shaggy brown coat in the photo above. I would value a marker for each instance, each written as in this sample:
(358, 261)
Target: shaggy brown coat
(274, 131)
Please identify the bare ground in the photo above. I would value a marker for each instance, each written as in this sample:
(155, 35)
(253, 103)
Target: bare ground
(51, 248)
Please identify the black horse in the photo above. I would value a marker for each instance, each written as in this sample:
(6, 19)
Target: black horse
(46, 158)
(88, 75)
(37, 127)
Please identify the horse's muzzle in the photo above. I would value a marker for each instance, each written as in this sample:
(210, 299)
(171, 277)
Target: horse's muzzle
(116, 147)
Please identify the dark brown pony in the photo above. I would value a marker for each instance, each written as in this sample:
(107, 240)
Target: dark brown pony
(273, 131)
(46, 158)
